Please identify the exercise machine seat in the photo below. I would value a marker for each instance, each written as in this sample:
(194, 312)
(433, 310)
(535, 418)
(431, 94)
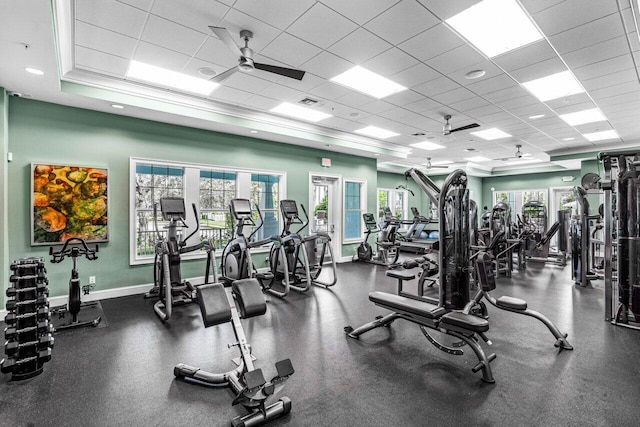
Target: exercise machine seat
(408, 305)
(214, 305)
(464, 321)
(512, 303)
(400, 274)
(249, 298)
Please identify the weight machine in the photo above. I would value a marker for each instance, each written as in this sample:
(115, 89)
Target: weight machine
(621, 185)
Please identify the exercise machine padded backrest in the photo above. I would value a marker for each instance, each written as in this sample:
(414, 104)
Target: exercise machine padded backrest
(249, 298)
(241, 208)
(289, 209)
(173, 208)
(214, 305)
(484, 268)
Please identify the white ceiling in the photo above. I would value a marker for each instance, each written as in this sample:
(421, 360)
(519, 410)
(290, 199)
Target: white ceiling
(406, 41)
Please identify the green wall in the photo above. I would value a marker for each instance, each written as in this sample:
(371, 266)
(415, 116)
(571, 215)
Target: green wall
(42, 132)
(4, 189)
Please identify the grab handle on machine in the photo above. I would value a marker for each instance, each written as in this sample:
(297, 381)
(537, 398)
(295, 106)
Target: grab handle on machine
(195, 215)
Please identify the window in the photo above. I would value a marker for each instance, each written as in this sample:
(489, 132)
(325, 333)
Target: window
(152, 183)
(264, 194)
(216, 191)
(207, 187)
(354, 204)
(395, 200)
(517, 198)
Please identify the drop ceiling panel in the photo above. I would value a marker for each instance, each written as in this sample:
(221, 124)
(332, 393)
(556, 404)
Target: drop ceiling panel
(230, 95)
(377, 107)
(263, 33)
(290, 50)
(425, 104)
(490, 69)
(535, 6)
(436, 86)
(588, 34)
(446, 9)
(360, 11)
(282, 93)
(619, 100)
(597, 52)
(321, 26)
(106, 41)
(247, 82)
(172, 36)
(462, 57)
(306, 84)
(278, 13)
(404, 98)
(432, 42)
(541, 69)
(455, 95)
(492, 84)
(469, 104)
(160, 57)
(329, 90)
(140, 4)
(512, 92)
(194, 65)
(326, 65)
(213, 50)
(572, 13)
(402, 21)
(94, 60)
(573, 102)
(415, 75)
(111, 15)
(612, 79)
(619, 63)
(360, 46)
(615, 91)
(194, 14)
(261, 103)
(355, 99)
(390, 62)
(525, 56)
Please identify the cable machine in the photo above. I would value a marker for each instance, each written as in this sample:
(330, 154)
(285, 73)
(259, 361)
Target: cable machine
(621, 185)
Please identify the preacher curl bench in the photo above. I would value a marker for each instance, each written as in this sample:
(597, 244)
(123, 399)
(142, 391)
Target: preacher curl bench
(217, 305)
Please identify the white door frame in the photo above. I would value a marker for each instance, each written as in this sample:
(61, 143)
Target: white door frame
(335, 193)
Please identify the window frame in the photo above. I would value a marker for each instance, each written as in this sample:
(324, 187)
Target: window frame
(363, 208)
(191, 195)
(390, 193)
(518, 199)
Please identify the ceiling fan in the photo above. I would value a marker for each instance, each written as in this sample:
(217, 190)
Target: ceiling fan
(447, 130)
(430, 166)
(517, 155)
(245, 62)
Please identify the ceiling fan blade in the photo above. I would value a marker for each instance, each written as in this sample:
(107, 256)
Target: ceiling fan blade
(471, 126)
(287, 72)
(223, 76)
(225, 37)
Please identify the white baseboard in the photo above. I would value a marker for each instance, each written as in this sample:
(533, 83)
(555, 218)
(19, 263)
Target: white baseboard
(345, 259)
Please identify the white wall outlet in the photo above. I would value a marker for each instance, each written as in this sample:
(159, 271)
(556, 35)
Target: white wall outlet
(92, 280)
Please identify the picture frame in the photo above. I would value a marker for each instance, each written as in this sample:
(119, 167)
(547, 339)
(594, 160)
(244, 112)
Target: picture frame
(68, 201)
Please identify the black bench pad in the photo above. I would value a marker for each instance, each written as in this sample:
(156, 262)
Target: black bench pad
(512, 303)
(401, 274)
(408, 305)
(249, 298)
(214, 305)
(465, 321)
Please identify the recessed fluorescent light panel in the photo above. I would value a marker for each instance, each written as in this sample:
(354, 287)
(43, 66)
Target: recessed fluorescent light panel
(523, 162)
(299, 112)
(167, 78)
(490, 134)
(554, 86)
(376, 132)
(477, 159)
(394, 164)
(495, 26)
(368, 82)
(582, 117)
(600, 136)
(426, 145)
(34, 71)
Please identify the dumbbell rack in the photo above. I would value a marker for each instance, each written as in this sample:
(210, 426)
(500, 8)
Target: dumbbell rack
(28, 333)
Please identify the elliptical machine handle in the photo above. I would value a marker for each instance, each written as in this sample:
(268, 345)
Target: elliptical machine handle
(195, 214)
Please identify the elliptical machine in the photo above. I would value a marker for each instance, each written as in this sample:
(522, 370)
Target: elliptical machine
(296, 260)
(75, 303)
(169, 286)
(387, 253)
(236, 256)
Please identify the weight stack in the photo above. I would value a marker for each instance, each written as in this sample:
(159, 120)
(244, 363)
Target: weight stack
(29, 334)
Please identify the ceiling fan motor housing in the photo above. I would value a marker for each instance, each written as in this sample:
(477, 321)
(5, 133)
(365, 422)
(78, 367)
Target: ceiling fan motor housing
(245, 63)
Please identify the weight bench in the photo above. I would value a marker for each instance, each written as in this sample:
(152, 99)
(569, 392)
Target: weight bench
(431, 316)
(487, 280)
(425, 277)
(218, 306)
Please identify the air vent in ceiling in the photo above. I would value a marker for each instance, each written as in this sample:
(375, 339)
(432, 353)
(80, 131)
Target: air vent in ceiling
(308, 101)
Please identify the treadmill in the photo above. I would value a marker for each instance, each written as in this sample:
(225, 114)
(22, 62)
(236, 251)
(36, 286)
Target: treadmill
(412, 242)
